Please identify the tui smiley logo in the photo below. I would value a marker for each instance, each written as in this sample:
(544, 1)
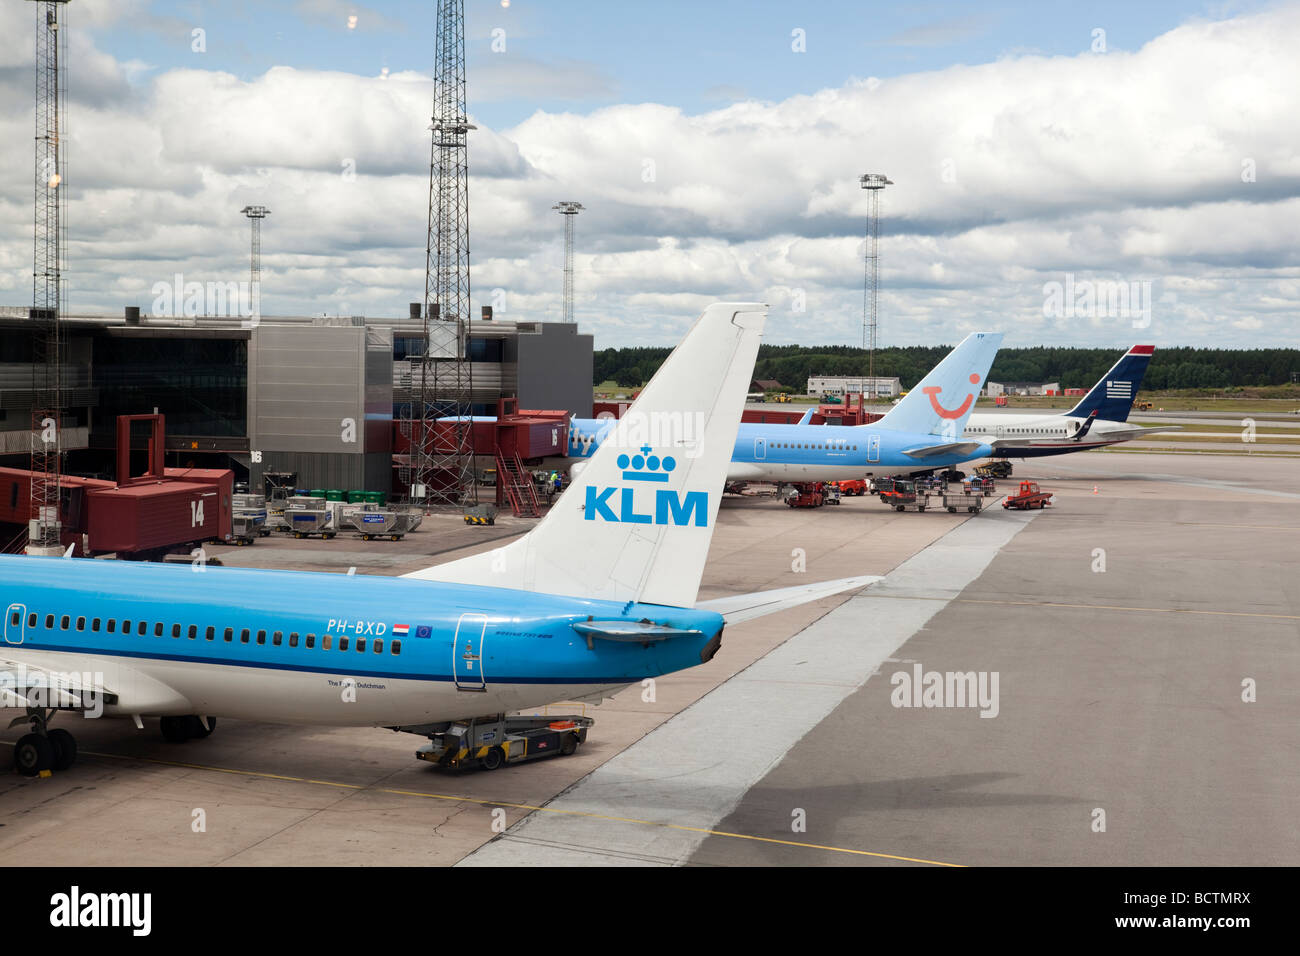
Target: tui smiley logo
(952, 413)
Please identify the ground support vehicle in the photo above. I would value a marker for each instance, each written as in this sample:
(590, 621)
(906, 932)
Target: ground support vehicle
(1029, 496)
(492, 742)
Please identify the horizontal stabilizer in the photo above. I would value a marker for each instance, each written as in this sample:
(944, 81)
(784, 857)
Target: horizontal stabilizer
(946, 449)
(737, 608)
(632, 632)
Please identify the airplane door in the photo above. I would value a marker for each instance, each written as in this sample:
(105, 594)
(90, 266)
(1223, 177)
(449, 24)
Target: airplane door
(873, 448)
(760, 449)
(467, 653)
(14, 623)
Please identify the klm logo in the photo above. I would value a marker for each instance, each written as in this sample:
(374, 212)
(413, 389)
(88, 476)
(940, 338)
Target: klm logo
(670, 507)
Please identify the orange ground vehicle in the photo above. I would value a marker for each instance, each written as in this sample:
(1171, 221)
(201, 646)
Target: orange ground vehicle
(1029, 496)
(851, 487)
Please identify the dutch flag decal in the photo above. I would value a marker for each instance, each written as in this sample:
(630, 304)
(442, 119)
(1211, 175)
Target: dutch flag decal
(400, 630)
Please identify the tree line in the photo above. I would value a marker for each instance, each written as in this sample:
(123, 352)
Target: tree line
(792, 365)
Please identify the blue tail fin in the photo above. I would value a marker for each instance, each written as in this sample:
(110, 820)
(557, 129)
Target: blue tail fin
(1112, 397)
(943, 400)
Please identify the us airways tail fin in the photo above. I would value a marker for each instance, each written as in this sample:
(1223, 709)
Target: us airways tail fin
(635, 525)
(1112, 398)
(943, 400)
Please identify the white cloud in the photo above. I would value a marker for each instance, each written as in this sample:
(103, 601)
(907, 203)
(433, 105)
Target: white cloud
(1126, 165)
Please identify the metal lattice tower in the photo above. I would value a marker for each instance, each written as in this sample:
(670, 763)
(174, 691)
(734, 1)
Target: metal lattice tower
(444, 463)
(568, 209)
(255, 216)
(50, 208)
(873, 183)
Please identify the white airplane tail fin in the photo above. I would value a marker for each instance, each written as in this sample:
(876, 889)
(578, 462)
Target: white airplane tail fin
(635, 525)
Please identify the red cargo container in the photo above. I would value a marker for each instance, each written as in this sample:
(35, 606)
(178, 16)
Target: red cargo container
(155, 516)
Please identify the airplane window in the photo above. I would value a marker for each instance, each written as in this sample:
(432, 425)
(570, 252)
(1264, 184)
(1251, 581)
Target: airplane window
(210, 633)
(63, 624)
(243, 636)
(326, 641)
(126, 627)
(142, 628)
(49, 622)
(227, 634)
(158, 629)
(81, 623)
(94, 624)
(112, 625)
(261, 637)
(193, 632)
(293, 639)
(310, 641)
(16, 618)
(343, 642)
(277, 637)
(379, 645)
(361, 644)
(396, 646)
(31, 620)
(176, 630)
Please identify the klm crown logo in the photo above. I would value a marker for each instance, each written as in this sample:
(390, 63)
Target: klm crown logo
(646, 467)
(670, 507)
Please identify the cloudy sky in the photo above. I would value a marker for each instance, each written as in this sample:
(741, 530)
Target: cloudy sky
(716, 148)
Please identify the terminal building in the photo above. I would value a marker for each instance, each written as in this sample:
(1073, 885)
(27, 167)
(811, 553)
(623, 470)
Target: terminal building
(995, 389)
(321, 397)
(877, 387)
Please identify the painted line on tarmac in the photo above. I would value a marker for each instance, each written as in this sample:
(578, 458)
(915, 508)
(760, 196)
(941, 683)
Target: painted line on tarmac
(480, 801)
(688, 774)
(1183, 480)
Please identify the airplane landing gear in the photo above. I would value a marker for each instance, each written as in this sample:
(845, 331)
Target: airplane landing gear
(43, 750)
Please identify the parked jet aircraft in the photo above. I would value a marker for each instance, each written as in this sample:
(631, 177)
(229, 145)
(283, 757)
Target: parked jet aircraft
(1099, 419)
(601, 593)
(920, 434)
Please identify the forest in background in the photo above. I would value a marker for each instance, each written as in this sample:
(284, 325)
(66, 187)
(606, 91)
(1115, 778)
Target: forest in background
(1171, 368)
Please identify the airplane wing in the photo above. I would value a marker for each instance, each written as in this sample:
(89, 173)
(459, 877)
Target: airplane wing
(632, 632)
(23, 684)
(947, 448)
(737, 608)
(1128, 434)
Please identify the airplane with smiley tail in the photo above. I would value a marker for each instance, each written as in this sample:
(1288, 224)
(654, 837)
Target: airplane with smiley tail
(600, 594)
(919, 435)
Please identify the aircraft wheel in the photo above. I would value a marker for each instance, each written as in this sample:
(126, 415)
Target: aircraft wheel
(494, 759)
(195, 729)
(33, 754)
(65, 748)
(570, 745)
(175, 730)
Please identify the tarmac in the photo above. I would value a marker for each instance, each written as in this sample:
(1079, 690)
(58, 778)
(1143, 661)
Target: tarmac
(1124, 626)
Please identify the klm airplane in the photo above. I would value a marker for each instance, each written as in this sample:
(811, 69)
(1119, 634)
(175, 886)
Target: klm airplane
(600, 594)
(921, 434)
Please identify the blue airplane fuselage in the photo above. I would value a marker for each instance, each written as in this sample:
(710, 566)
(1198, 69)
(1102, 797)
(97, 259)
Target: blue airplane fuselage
(772, 451)
(308, 647)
